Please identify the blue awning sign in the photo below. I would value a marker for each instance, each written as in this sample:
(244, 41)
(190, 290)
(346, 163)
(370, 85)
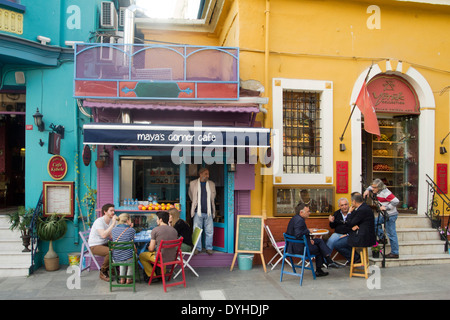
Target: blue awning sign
(181, 136)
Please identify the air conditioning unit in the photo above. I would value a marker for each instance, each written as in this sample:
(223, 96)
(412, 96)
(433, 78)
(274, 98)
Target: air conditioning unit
(108, 15)
(122, 16)
(106, 52)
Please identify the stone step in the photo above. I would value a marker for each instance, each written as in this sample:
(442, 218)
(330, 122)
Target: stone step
(14, 270)
(11, 245)
(15, 258)
(412, 260)
(6, 234)
(419, 247)
(412, 221)
(417, 234)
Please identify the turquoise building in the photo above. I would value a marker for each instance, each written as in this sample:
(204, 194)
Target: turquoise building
(36, 73)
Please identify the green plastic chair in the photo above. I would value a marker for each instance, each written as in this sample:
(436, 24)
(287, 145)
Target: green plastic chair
(113, 246)
(196, 236)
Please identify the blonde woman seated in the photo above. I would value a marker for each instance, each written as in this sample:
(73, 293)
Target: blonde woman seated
(183, 229)
(123, 232)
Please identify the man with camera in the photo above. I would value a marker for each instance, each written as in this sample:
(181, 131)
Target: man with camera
(388, 206)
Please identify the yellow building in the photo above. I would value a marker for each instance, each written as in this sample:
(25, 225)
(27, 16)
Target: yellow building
(312, 58)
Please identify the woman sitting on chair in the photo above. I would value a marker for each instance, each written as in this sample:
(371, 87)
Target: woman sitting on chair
(183, 229)
(123, 232)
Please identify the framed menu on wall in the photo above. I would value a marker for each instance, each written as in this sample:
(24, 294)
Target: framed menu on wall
(58, 198)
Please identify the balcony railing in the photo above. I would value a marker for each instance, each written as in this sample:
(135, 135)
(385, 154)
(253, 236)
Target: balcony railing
(169, 72)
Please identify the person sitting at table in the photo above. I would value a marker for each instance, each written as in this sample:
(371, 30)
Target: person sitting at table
(361, 228)
(183, 229)
(123, 232)
(162, 232)
(99, 236)
(338, 222)
(297, 228)
(362, 233)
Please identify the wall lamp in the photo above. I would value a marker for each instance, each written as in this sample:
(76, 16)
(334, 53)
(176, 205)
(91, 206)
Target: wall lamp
(38, 120)
(104, 156)
(442, 149)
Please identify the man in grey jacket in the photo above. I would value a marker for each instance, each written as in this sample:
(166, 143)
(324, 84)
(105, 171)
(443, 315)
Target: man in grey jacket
(202, 193)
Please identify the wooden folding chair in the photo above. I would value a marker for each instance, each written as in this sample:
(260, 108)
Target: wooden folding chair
(86, 252)
(196, 236)
(164, 245)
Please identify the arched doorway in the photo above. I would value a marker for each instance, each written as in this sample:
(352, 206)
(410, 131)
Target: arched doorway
(425, 138)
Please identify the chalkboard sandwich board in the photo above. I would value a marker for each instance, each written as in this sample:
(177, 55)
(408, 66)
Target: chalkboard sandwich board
(249, 237)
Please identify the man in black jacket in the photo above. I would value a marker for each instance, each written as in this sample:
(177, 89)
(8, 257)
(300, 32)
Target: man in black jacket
(362, 224)
(297, 228)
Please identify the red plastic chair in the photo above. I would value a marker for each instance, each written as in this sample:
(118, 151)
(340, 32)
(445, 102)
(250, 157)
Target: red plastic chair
(167, 244)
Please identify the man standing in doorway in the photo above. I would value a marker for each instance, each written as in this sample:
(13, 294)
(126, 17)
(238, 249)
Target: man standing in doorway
(202, 193)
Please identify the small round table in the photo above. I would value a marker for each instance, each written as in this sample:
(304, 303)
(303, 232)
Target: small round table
(319, 232)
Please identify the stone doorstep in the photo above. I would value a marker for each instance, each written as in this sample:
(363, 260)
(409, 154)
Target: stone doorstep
(410, 260)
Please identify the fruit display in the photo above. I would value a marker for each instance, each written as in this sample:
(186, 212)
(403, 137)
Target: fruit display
(381, 167)
(158, 206)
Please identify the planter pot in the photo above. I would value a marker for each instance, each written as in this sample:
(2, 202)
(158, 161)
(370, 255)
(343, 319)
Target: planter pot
(26, 242)
(375, 254)
(51, 259)
(435, 223)
(99, 164)
(51, 264)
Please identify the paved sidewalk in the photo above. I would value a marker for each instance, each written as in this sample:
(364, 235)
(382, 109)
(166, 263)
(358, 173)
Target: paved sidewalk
(429, 282)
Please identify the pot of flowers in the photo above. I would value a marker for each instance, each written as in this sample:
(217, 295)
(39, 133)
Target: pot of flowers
(21, 220)
(376, 250)
(50, 229)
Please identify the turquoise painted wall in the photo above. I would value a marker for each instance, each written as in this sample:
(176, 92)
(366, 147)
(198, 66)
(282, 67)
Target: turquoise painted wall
(51, 90)
(59, 20)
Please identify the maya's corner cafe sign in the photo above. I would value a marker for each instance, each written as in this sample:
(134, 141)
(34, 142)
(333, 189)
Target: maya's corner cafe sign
(393, 94)
(154, 135)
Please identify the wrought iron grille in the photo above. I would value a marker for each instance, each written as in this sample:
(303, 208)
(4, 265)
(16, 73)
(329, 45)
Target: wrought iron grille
(302, 150)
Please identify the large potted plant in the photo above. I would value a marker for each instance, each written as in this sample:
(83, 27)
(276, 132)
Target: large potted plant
(21, 220)
(50, 229)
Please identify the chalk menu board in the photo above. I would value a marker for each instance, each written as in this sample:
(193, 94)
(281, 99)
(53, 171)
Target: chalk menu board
(249, 236)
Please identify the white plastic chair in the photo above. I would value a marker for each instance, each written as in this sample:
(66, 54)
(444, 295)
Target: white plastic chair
(86, 252)
(196, 236)
(278, 246)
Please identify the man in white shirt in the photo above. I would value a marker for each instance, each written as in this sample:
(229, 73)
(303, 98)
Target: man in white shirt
(99, 236)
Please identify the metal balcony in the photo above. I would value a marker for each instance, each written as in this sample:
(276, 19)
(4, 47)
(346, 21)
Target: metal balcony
(156, 72)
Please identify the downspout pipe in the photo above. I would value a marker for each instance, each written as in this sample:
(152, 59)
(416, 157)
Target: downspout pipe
(265, 111)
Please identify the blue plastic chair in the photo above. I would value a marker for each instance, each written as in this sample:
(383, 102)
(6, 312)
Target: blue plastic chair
(305, 256)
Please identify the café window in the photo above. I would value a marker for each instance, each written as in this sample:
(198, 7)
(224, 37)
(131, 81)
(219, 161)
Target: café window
(144, 177)
(319, 199)
(303, 123)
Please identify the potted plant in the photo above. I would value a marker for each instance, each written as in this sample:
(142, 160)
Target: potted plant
(376, 250)
(21, 220)
(50, 229)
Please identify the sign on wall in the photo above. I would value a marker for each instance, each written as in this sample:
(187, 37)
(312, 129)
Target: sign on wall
(58, 198)
(393, 94)
(57, 167)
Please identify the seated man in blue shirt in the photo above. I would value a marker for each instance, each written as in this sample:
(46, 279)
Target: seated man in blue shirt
(297, 228)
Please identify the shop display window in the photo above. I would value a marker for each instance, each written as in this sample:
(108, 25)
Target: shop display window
(393, 158)
(320, 199)
(148, 178)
